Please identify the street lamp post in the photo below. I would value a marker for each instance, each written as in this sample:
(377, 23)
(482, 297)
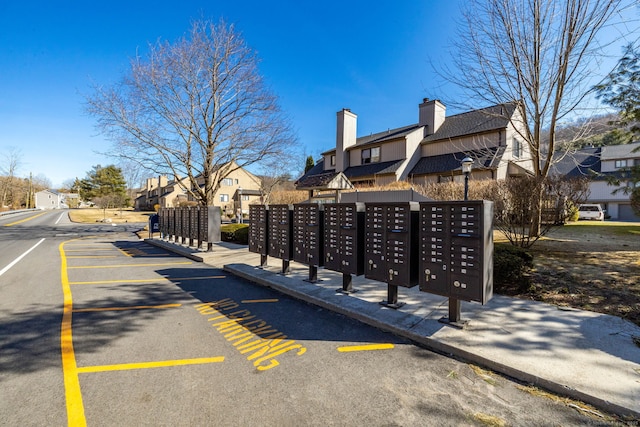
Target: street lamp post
(239, 205)
(454, 303)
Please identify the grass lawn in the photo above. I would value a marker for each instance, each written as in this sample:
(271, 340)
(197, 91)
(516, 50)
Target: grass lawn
(589, 265)
(117, 216)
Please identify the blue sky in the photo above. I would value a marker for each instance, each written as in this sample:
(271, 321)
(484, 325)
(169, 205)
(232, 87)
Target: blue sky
(319, 57)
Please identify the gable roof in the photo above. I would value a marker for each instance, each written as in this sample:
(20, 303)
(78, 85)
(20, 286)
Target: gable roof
(474, 122)
(317, 178)
(488, 158)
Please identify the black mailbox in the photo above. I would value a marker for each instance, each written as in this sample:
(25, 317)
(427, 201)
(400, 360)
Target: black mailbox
(258, 231)
(280, 236)
(308, 234)
(344, 237)
(456, 249)
(391, 243)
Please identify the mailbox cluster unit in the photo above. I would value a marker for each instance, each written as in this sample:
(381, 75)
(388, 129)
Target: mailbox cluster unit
(308, 228)
(456, 251)
(444, 247)
(258, 231)
(344, 237)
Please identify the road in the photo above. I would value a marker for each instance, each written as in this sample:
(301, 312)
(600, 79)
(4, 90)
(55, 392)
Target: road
(98, 328)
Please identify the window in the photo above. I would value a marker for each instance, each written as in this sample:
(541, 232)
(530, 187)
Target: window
(517, 148)
(236, 181)
(333, 160)
(371, 155)
(227, 181)
(621, 164)
(245, 198)
(224, 197)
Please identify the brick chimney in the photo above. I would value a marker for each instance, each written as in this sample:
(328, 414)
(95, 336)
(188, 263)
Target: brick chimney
(345, 137)
(432, 114)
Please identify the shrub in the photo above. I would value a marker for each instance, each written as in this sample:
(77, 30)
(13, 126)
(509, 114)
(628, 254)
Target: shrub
(511, 266)
(235, 233)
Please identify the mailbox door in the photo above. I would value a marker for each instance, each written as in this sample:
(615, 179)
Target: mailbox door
(375, 242)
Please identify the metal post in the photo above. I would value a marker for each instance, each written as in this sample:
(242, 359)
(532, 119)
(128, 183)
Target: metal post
(454, 303)
(347, 284)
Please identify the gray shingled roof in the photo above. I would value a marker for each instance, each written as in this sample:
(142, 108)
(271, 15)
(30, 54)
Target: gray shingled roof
(373, 169)
(387, 135)
(488, 158)
(473, 122)
(584, 162)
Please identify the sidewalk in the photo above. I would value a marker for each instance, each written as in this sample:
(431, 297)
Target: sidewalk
(588, 356)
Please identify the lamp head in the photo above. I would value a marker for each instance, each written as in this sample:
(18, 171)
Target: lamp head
(467, 162)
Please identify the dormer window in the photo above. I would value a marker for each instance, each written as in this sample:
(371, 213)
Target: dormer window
(621, 164)
(333, 160)
(371, 155)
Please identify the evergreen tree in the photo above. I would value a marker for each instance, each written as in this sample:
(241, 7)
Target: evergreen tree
(309, 164)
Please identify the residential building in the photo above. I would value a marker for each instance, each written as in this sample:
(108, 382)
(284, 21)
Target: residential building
(601, 164)
(50, 199)
(427, 151)
(239, 188)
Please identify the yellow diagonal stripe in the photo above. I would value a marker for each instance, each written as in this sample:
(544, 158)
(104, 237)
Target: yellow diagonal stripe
(369, 347)
(150, 365)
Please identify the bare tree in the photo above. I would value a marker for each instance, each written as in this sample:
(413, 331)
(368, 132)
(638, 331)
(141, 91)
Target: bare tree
(9, 166)
(196, 108)
(540, 53)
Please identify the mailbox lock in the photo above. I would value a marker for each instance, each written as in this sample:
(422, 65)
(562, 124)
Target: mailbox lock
(391, 274)
(344, 262)
(427, 274)
(456, 284)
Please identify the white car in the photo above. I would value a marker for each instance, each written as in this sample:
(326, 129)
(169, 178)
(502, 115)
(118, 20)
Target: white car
(591, 211)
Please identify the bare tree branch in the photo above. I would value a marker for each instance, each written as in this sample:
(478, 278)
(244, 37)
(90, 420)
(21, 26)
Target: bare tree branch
(196, 108)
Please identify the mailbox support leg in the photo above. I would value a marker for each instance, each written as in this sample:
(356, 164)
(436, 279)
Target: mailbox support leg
(347, 284)
(263, 261)
(286, 268)
(313, 274)
(454, 318)
(392, 298)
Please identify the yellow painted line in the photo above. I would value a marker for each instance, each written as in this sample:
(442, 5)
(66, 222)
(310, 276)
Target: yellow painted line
(24, 220)
(88, 249)
(106, 282)
(369, 347)
(132, 265)
(150, 365)
(73, 395)
(90, 256)
(251, 301)
(122, 251)
(135, 307)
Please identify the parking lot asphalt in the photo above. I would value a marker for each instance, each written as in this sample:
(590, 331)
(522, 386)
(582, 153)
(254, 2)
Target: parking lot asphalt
(584, 355)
